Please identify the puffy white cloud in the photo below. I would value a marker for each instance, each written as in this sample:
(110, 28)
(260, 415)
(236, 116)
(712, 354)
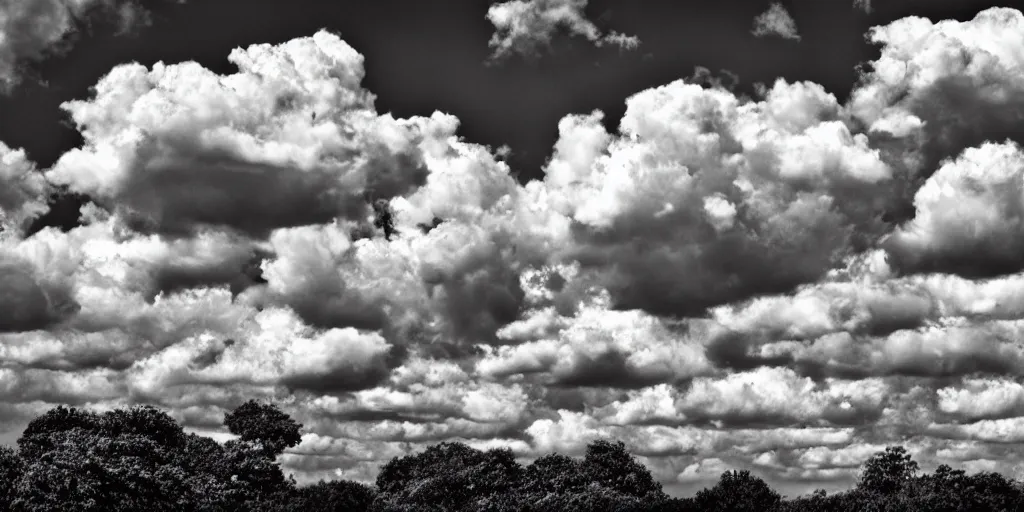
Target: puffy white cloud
(290, 139)
(776, 21)
(23, 190)
(718, 191)
(969, 218)
(941, 87)
(762, 396)
(598, 347)
(525, 26)
(958, 349)
(274, 347)
(982, 398)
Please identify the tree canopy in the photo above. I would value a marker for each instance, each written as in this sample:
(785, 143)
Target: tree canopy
(139, 458)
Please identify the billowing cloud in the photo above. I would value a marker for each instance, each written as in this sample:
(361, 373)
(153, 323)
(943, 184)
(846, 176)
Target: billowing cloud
(969, 216)
(718, 191)
(291, 139)
(941, 87)
(776, 21)
(524, 27)
(23, 189)
(784, 283)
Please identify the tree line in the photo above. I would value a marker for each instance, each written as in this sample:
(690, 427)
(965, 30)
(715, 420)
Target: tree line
(140, 459)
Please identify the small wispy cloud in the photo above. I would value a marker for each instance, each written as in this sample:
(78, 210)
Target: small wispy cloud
(34, 29)
(523, 27)
(776, 21)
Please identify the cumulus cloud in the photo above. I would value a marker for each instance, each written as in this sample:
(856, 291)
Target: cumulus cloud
(941, 87)
(524, 27)
(783, 283)
(23, 189)
(968, 216)
(719, 190)
(776, 21)
(598, 347)
(291, 139)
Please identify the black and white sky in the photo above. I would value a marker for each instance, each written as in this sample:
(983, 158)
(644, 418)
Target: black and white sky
(773, 236)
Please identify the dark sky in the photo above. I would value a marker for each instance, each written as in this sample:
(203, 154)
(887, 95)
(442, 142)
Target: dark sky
(421, 58)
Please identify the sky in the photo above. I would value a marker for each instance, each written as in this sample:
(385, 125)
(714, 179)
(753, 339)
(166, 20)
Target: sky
(774, 236)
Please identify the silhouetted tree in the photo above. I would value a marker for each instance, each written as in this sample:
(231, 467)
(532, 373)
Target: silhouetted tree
(451, 476)
(886, 472)
(554, 474)
(610, 465)
(738, 491)
(264, 424)
(37, 438)
(141, 459)
(120, 461)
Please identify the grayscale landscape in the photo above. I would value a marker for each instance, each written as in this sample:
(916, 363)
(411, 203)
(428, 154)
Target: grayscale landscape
(511, 255)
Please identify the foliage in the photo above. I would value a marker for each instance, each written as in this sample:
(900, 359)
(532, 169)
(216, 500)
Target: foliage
(141, 459)
(738, 491)
(610, 465)
(138, 459)
(264, 424)
(888, 471)
(451, 476)
(11, 469)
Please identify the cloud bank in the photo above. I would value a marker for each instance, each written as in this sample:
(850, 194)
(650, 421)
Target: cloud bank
(783, 284)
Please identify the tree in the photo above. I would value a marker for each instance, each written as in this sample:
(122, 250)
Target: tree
(888, 471)
(11, 469)
(141, 459)
(265, 424)
(146, 421)
(37, 436)
(554, 474)
(610, 465)
(738, 491)
(86, 471)
(447, 476)
(333, 496)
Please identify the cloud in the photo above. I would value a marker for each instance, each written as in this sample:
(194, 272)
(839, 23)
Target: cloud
(291, 139)
(524, 27)
(864, 5)
(276, 348)
(775, 21)
(23, 189)
(941, 87)
(32, 31)
(766, 396)
(598, 347)
(717, 188)
(969, 216)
